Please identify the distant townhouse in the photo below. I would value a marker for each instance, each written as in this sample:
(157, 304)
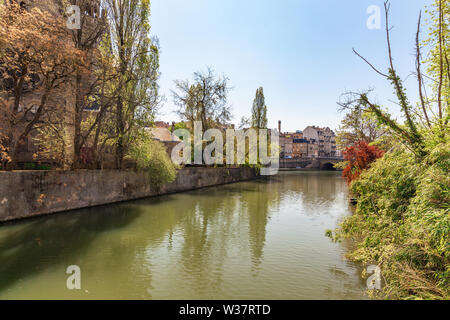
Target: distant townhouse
(300, 148)
(325, 138)
(286, 146)
(310, 143)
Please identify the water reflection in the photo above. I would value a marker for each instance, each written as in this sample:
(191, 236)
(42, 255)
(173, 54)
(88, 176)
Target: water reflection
(254, 240)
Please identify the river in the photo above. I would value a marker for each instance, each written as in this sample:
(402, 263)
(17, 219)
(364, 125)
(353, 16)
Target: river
(262, 239)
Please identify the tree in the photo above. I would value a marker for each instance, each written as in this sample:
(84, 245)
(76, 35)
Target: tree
(151, 157)
(88, 86)
(358, 125)
(359, 158)
(438, 58)
(259, 110)
(53, 139)
(136, 57)
(431, 117)
(36, 59)
(205, 100)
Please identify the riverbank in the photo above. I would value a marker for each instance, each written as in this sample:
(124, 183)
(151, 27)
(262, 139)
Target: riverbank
(402, 223)
(25, 194)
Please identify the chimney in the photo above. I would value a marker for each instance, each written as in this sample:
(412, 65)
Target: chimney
(279, 126)
(173, 126)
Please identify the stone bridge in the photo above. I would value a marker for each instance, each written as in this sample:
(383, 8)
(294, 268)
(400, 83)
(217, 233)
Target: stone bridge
(310, 163)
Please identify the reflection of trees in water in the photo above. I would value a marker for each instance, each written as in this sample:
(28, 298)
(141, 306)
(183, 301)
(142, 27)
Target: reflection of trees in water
(206, 232)
(211, 227)
(199, 234)
(215, 227)
(258, 204)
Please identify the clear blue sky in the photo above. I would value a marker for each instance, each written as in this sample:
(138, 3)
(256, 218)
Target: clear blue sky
(300, 51)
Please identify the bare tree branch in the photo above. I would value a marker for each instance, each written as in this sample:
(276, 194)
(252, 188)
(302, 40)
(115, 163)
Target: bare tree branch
(419, 72)
(365, 60)
(441, 60)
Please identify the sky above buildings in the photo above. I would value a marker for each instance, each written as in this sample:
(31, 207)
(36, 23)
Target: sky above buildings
(300, 51)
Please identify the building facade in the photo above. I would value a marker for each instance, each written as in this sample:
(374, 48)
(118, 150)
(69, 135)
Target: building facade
(312, 142)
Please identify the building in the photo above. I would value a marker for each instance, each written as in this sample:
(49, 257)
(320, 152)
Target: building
(313, 149)
(163, 133)
(325, 138)
(312, 142)
(286, 146)
(297, 135)
(300, 148)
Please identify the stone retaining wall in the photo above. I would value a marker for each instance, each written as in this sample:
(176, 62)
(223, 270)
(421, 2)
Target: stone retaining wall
(26, 194)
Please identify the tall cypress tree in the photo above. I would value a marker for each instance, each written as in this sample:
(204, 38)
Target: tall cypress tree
(259, 110)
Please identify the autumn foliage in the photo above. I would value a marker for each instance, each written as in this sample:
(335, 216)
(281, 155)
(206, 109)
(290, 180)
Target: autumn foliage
(359, 157)
(37, 60)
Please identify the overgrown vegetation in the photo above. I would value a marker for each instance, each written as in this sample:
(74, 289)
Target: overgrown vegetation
(402, 218)
(151, 157)
(85, 97)
(402, 222)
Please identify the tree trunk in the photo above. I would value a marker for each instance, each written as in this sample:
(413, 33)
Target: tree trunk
(76, 162)
(120, 133)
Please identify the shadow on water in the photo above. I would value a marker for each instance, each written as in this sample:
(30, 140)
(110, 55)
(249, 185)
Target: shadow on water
(34, 246)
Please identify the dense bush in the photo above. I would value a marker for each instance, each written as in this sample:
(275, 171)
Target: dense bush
(151, 157)
(402, 222)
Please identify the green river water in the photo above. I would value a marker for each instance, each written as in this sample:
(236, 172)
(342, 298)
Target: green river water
(262, 239)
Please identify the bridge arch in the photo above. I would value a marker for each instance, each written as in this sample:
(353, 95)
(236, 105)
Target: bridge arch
(327, 166)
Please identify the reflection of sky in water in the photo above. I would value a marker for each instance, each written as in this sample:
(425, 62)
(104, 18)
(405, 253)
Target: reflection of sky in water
(255, 240)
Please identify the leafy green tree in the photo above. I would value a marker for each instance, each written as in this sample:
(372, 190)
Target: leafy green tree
(402, 223)
(136, 56)
(259, 110)
(151, 157)
(437, 61)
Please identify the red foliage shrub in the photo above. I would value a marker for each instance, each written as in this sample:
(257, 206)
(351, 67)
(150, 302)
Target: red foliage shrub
(359, 158)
